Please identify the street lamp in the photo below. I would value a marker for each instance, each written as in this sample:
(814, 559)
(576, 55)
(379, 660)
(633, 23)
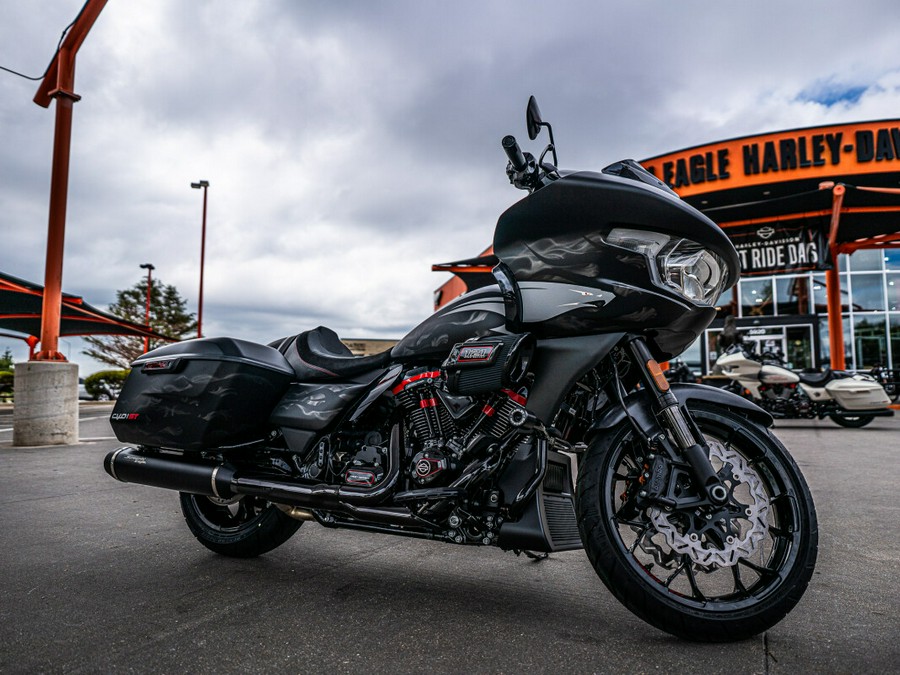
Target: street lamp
(149, 268)
(201, 184)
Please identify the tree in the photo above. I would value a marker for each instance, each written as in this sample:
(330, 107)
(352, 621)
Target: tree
(168, 315)
(6, 360)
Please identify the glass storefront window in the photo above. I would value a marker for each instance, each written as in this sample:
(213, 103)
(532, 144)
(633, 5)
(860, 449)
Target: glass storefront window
(866, 260)
(756, 298)
(826, 344)
(870, 340)
(891, 258)
(868, 292)
(893, 293)
(799, 346)
(792, 294)
(820, 296)
(895, 340)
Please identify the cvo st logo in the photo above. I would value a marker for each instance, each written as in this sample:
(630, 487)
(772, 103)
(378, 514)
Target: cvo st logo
(476, 353)
(119, 417)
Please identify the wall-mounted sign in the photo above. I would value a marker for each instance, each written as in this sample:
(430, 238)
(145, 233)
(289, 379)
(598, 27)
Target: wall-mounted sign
(819, 152)
(780, 248)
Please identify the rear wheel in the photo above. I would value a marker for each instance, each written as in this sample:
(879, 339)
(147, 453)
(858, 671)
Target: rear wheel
(852, 421)
(705, 573)
(244, 527)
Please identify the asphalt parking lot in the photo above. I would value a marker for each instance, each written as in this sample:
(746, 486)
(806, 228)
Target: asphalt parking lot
(100, 576)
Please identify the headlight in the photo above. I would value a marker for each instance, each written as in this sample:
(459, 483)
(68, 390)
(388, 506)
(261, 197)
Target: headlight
(695, 272)
(692, 270)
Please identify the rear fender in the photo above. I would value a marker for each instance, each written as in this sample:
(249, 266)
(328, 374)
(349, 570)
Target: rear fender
(638, 407)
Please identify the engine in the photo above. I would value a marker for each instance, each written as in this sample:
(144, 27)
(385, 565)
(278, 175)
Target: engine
(452, 415)
(785, 400)
(465, 406)
(446, 428)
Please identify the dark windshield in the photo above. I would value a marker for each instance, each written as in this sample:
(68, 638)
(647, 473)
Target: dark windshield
(628, 168)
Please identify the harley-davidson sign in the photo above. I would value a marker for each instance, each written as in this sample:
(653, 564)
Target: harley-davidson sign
(780, 248)
(820, 152)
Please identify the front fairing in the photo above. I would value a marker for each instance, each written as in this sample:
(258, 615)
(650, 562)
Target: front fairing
(573, 282)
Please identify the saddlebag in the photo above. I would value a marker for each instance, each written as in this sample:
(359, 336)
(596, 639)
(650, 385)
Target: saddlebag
(200, 394)
(858, 392)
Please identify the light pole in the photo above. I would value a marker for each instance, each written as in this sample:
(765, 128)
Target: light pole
(201, 184)
(149, 268)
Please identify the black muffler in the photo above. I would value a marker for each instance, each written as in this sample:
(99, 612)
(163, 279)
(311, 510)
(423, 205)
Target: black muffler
(130, 465)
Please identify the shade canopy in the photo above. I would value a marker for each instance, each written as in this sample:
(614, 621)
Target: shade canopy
(20, 312)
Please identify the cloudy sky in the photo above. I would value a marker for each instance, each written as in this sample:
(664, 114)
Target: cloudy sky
(350, 145)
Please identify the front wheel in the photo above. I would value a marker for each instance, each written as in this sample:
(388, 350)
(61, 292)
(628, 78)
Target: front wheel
(244, 527)
(851, 421)
(708, 573)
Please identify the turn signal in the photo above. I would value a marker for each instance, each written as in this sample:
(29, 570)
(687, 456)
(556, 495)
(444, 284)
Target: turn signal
(659, 379)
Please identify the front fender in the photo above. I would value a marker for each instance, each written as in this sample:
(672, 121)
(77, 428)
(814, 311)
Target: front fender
(637, 405)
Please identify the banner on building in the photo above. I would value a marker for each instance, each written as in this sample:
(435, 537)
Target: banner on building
(780, 248)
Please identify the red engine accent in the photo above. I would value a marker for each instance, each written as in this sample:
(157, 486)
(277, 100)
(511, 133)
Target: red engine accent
(435, 374)
(518, 398)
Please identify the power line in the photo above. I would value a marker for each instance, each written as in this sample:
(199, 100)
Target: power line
(58, 45)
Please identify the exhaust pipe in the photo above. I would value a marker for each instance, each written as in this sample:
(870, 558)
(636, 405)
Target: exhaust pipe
(130, 465)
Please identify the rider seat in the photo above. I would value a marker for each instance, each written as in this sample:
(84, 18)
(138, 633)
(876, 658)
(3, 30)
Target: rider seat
(816, 378)
(318, 355)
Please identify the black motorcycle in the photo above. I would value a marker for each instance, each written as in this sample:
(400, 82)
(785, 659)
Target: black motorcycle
(466, 431)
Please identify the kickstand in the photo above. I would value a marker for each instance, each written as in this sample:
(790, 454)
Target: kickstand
(536, 557)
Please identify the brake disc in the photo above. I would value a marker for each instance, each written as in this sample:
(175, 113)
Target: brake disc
(740, 527)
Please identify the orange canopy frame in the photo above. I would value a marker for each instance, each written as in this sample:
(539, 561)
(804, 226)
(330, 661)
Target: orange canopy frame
(20, 315)
(58, 84)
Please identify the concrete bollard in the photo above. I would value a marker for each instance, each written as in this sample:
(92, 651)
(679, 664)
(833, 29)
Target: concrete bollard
(46, 403)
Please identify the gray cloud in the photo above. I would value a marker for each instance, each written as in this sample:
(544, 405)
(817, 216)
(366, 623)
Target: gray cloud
(350, 145)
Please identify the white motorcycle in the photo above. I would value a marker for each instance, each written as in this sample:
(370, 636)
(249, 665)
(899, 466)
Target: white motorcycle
(849, 399)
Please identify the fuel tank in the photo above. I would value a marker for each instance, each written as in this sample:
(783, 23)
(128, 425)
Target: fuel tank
(772, 374)
(478, 313)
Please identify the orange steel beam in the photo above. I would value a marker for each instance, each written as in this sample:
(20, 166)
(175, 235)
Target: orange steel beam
(833, 285)
(58, 84)
(809, 214)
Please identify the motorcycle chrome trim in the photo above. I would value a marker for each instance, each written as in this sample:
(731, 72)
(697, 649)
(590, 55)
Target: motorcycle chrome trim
(674, 420)
(111, 463)
(212, 480)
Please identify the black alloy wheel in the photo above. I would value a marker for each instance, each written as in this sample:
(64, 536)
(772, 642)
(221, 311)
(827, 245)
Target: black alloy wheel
(708, 574)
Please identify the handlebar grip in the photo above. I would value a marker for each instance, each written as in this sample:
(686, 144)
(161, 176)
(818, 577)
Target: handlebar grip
(514, 152)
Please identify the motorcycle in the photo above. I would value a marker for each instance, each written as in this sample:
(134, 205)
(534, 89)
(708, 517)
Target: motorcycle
(680, 371)
(469, 429)
(848, 399)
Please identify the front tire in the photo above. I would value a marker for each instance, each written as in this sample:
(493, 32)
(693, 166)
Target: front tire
(674, 569)
(852, 421)
(239, 528)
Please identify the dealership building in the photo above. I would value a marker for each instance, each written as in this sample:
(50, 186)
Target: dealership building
(815, 217)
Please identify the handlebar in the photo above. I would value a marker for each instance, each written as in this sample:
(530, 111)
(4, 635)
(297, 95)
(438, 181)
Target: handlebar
(514, 153)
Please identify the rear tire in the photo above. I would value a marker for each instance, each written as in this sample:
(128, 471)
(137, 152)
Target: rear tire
(739, 589)
(852, 421)
(238, 528)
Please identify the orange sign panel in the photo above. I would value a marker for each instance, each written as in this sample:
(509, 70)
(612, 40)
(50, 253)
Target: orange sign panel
(818, 152)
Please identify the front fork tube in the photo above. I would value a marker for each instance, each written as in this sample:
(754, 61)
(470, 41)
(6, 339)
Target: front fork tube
(692, 445)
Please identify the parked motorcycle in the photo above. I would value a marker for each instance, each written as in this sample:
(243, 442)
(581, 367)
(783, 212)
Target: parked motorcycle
(680, 371)
(850, 400)
(465, 432)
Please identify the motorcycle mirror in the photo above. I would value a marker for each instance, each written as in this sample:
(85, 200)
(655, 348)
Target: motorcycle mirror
(534, 122)
(533, 119)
